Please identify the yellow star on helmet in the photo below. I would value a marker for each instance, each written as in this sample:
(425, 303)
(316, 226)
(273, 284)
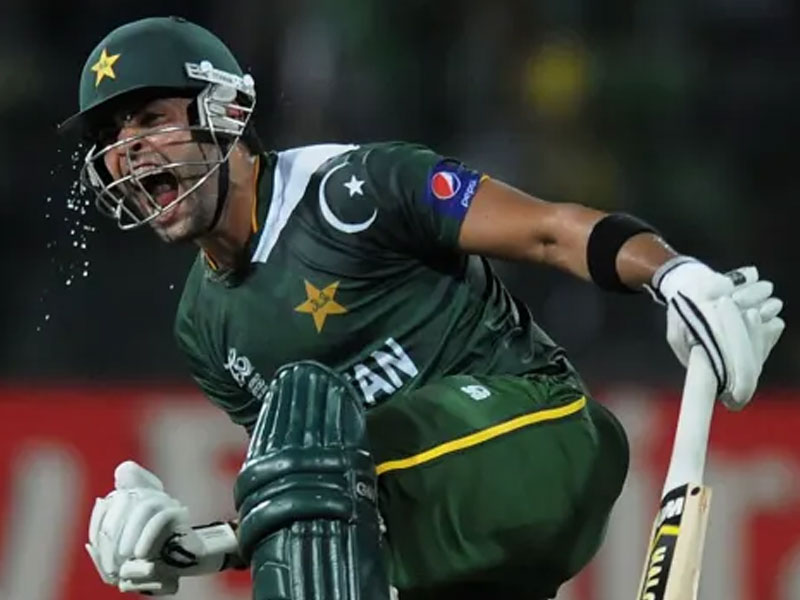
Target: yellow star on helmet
(320, 303)
(103, 66)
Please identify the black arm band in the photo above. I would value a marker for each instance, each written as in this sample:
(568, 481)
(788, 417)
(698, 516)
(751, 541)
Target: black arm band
(607, 237)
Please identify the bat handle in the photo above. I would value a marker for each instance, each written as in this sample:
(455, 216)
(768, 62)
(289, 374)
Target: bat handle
(694, 423)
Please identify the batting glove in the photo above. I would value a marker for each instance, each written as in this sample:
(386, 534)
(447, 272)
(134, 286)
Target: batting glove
(733, 317)
(140, 539)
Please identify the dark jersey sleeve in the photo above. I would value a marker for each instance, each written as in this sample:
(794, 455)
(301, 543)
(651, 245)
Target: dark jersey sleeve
(421, 196)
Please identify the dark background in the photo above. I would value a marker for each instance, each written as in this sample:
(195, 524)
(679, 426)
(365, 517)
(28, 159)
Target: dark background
(682, 112)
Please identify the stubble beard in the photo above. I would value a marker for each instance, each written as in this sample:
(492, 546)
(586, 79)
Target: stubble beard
(192, 218)
(193, 215)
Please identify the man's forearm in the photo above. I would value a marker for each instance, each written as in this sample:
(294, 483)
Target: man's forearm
(504, 222)
(569, 248)
(640, 257)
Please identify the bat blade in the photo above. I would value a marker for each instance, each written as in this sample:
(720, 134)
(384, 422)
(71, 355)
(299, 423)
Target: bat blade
(674, 554)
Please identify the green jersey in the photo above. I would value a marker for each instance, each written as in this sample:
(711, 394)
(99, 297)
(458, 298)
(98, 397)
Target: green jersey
(354, 262)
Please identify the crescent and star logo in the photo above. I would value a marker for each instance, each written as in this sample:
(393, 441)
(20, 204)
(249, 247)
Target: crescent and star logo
(354, 187)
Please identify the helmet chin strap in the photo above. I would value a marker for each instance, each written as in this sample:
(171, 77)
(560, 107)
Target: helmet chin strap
(223, 183)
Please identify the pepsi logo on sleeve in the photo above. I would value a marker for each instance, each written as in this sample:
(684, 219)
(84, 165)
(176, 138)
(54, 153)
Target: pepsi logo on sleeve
(451, 187)
(445, 184)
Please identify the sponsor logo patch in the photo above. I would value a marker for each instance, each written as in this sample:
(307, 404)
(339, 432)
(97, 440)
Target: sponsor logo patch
(445, 185)
(451, 187)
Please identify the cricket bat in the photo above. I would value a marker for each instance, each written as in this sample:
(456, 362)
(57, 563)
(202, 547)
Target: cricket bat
(674, 554)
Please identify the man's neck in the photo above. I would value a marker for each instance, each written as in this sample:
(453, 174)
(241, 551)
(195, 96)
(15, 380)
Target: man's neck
(225, 245)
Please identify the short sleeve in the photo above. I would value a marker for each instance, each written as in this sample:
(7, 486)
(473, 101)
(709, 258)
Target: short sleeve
(421, 197)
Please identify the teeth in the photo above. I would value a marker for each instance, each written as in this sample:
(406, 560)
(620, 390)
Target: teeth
(144, 169)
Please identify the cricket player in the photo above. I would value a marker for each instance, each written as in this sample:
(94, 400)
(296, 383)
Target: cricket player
(410, 425)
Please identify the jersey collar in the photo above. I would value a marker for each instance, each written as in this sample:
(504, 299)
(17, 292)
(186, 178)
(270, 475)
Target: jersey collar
(262, 193)
(261, 199)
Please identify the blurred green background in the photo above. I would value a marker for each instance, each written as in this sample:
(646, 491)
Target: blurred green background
(680, 112)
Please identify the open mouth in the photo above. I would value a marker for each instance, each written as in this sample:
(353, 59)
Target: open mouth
(162, 187)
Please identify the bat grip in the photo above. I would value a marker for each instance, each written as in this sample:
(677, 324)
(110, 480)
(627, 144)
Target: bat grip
(694, 423)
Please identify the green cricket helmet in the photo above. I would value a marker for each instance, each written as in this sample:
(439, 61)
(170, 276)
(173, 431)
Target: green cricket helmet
(146, 59)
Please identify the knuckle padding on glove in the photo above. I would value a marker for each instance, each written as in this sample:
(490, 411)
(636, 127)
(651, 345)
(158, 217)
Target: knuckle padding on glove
(136, 522)
(308, 490)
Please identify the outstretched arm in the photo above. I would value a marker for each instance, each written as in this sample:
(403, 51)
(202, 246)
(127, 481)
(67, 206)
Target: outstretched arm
(504, 222)
(734, 318)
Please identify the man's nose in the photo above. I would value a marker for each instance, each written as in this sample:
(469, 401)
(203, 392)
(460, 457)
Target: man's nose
(127, 152)
(134, 146)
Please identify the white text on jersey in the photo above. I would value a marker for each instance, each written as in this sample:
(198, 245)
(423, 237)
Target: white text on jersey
(393, 362)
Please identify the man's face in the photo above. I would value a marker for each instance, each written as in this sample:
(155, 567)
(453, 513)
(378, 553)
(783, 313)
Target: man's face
(153, 135)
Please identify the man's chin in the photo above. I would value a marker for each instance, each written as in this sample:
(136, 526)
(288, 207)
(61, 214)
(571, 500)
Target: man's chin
(175, 229)
(183, 223)
(170, 237)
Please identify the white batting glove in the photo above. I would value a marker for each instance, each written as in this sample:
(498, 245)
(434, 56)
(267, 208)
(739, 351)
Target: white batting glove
(760, 310)
(187, 552)
(140, 538)
(702, 309)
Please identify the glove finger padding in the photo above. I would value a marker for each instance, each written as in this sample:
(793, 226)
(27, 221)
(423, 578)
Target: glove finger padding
(142, 576)
(770, 309)
(755, 331)
(753, 294)
(129, 475)
(157, 530)
(765, 334)
(151, 588)
(111, 528)
(96, 519)
(96, 561)
(773, 330)
(738, 350)
(137, 569)
(139, 517)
